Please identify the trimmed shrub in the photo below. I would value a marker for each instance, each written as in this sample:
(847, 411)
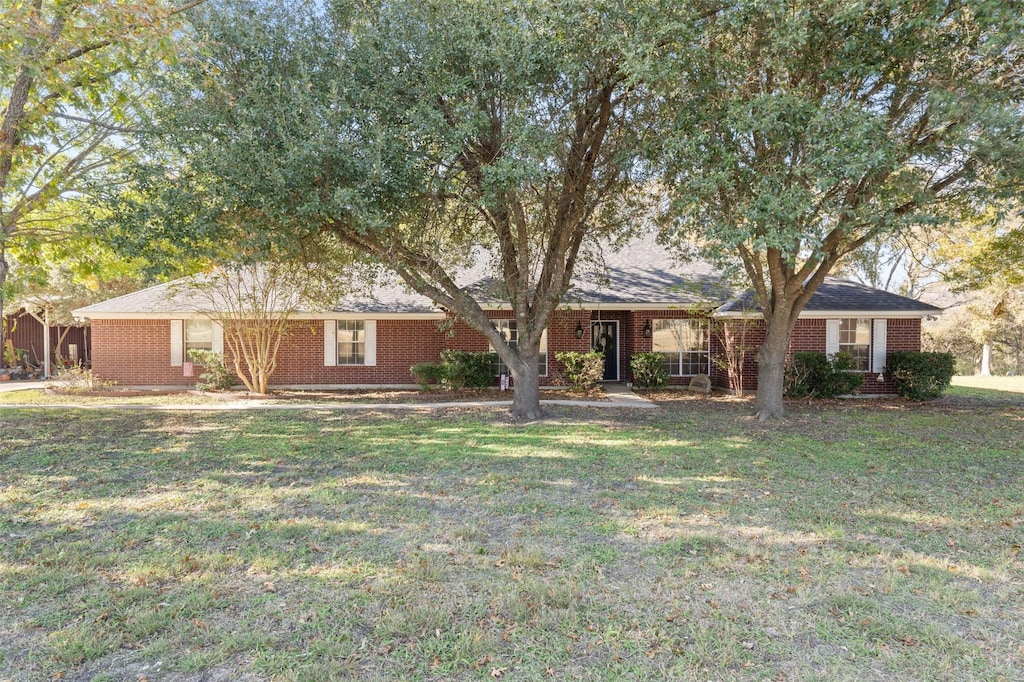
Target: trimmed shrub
(920, 376)
(816, 375)
(215, 376)
(583, 371)
(464, 369)
(649, 370)
(78, 380)
(427, 374)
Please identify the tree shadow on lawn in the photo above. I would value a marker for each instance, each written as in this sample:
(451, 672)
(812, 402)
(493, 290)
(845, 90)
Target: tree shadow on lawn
(368, 538)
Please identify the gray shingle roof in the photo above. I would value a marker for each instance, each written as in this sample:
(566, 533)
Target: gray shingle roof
(641, 273)
(841, 295)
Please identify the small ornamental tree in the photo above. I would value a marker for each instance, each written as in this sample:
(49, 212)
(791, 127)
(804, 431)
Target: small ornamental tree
(254, 305)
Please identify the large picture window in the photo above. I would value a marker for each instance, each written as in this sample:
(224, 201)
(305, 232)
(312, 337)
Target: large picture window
(198, 335)
(351, 342)
(507, 328)
(685, 344)
(855, 339)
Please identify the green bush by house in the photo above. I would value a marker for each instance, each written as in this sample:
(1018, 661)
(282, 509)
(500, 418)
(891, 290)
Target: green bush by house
(215, 376)
(920, 376)
(583, 371)
(465, 369)
(816, 375)
(649, 370)
(427, 374)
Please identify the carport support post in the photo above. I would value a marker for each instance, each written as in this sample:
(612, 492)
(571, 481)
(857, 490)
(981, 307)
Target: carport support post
(46, 343)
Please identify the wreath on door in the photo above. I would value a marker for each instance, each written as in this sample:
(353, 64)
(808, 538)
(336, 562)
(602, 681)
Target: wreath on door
(605, 341)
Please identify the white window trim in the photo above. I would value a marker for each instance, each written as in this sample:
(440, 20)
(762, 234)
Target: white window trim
(178, 341)
(832, 337)
(218, 337)
(330, 343)
(879, 341)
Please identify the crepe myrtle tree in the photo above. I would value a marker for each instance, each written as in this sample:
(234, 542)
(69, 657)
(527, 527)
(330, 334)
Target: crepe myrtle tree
(430, 136)
(254, 304)
(798, 131)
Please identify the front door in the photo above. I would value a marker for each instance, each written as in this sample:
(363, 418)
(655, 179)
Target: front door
(604, 338)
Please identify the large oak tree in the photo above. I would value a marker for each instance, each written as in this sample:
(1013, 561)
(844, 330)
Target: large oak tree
(425, 135)
(801, 130)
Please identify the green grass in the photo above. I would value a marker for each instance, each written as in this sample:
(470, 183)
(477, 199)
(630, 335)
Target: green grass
(858, 540)
(38, 397)
(1011, 384)
(988, 390)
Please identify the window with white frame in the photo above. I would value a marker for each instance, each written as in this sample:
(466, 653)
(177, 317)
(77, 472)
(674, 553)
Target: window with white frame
(855, 339)
(351, 342)
(507, 328)
(198, 335)
(685, 343)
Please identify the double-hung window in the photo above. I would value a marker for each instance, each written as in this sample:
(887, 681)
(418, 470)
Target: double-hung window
(351, 342)
(852, 335)
(198, 335)
(685, 344)
(507, 328)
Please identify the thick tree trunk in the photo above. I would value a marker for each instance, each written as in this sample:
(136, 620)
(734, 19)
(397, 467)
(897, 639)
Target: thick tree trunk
(3, 327)
(771, 368)
(986, 359)
(526, 399)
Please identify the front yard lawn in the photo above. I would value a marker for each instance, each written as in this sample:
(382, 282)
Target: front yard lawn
(858, 540)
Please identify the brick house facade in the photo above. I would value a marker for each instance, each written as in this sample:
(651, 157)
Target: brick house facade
(137, 352)
(642, 304)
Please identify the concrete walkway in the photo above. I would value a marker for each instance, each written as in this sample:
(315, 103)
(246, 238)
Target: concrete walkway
(11, 385)
(618, 396)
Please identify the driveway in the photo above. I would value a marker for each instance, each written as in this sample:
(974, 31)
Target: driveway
(6, 386)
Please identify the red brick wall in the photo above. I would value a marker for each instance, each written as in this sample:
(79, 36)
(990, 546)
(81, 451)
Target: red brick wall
(138, 353)
(751, 339)
(809, 335)
(901, 334)
(135, 353)
(400, 344)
